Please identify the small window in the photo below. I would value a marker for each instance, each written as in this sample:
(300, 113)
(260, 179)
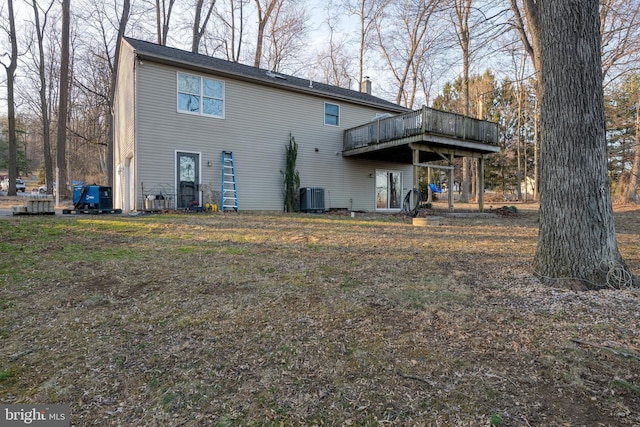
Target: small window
(199, 95)
(331, 114)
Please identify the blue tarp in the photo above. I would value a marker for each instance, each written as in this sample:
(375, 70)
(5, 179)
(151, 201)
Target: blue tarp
(435, 189)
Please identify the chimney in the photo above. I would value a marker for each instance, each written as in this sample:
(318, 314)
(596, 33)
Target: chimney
(366, 85)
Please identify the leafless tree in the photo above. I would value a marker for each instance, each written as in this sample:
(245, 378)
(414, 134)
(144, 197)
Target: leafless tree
(521, 158)
(634, 179)
(265, 9)
(335, 62)
(369, 13)
(63, 98)
(577, 239)
(462, 9)
(527, 25)
(620, 34)
(228, 35)
(527, 28)
(402, 38)
(286, 34)
(163, 9)
(42, 89)
(199, 23)
(619, 22)
(10, 68)
(95, 81)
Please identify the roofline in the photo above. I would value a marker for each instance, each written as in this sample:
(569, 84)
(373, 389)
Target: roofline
(266, 82)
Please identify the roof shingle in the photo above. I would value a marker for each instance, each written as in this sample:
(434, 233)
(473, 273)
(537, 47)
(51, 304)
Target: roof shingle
(177, 57)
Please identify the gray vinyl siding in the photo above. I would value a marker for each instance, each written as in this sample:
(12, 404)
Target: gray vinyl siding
(256, 127)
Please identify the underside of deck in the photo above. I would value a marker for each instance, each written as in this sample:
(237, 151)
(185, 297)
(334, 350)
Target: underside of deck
(431, 148)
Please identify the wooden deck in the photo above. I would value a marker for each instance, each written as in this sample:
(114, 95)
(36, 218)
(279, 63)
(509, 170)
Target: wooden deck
(432, 132)
(422, 137)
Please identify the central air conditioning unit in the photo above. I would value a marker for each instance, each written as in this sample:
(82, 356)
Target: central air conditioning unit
(312, 199)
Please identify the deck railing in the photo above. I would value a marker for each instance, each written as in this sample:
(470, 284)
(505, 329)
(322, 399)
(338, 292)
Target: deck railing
(425, 120)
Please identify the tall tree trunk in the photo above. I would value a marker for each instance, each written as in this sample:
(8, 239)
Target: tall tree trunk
(577, 238)
(163, 18)
(519, 144)
(531, 43)
(122, 26)
(44, 108)
(536, 152)
(199, 24)
(11, 105)
(463, 10)
(264, 13)
(63, 101)
(634, 179)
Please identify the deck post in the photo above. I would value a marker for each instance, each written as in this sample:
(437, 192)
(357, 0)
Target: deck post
(423, 128)
(429, 192)
(451, 183)
(416, 173)
(480, 186)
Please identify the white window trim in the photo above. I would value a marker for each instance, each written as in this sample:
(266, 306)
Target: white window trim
(324, 114)
(201, 79)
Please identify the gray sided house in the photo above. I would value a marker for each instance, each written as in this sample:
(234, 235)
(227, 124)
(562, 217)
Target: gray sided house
(177, 112)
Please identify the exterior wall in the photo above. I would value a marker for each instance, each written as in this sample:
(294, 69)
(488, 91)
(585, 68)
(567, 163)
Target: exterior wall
(256, 127)
(124, 129)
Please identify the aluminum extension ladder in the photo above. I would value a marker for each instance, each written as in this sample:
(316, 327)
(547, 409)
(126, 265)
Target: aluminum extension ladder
(229, 192)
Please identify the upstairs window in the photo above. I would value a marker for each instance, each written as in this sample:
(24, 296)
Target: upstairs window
(199, 95)
(331, 114)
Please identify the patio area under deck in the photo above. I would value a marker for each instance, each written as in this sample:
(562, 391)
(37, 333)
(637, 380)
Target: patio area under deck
(422, 137)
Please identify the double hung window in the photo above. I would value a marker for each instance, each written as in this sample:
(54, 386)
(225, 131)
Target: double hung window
(331, 114)
(200, 95)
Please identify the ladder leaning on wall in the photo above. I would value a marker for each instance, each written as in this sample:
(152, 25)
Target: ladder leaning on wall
(229, 193)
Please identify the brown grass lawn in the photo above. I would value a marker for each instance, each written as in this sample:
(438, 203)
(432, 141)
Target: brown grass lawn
(273, 319)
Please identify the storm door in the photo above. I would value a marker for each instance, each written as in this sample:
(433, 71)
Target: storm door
(188, 177)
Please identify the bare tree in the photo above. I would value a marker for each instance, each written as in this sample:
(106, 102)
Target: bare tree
(265, 9)
(200, 23)
(528, 30)
(631, 195)
(403, 45)
(462, 9)
(229, 35)
(11, 105)
(521, 158)
(163, 19)
(334, 62)
(286, 30)
(369, 13)
(577, 239)
(63, 99)
(620, 34)
(42, 91)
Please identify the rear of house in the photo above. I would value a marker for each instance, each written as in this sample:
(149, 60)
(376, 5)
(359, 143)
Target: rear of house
(176, 113)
